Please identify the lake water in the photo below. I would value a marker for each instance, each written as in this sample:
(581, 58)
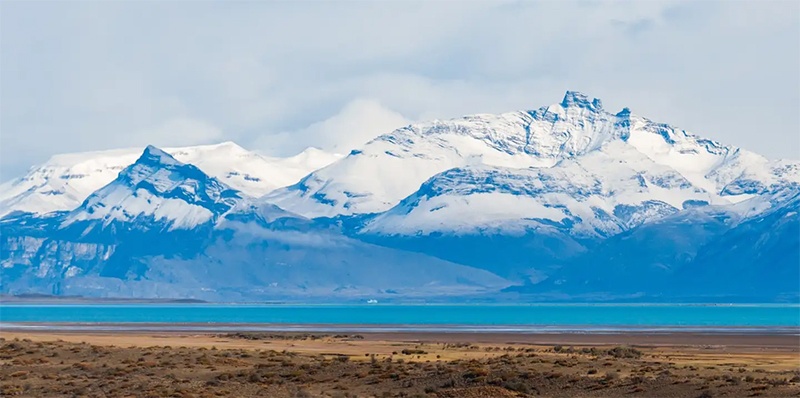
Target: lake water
(532, 317)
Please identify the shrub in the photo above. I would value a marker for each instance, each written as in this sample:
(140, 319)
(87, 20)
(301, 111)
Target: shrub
(517, 386)
(624, 352)
(474, 373)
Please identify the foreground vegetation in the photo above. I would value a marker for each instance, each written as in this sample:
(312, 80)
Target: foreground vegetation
(65, 369)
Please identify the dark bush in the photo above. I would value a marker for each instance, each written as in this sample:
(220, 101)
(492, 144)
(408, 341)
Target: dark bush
(624, 352)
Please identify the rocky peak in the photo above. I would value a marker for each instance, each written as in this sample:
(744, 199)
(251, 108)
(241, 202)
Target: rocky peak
(581, 100)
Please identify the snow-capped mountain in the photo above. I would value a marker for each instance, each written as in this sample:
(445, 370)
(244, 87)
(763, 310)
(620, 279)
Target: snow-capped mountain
(157, 189)
(600, 193)
(577, 131)
(64, 181)
(163, 227)
(525, 194)
(568, 200)
(538, 218)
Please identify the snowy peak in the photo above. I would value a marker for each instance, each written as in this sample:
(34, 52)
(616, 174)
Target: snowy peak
(159, 188)
(155, 156)
(161, 174)
(581, 100)
(309, 154)
(567, 198)
(576, 129)
(311, 159)
(66, 180)
(237, 167)
(594, 195)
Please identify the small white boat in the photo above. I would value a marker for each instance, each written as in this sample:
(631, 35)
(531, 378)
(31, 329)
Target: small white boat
(372, 301)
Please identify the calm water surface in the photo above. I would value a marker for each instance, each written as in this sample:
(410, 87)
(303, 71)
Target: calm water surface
(586, 315)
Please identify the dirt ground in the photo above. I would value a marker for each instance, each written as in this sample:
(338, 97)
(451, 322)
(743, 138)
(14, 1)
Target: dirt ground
(41, 364)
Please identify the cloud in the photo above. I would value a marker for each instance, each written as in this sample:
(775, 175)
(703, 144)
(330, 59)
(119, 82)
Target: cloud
(358, 122)
(180, 131)
(87, 75)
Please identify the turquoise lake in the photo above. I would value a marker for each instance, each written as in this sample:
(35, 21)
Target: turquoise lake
(523, 317)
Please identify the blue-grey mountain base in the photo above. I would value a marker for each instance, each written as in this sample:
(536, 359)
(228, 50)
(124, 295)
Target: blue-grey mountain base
(565, 202)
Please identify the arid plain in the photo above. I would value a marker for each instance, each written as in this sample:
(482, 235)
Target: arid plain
(179, 364)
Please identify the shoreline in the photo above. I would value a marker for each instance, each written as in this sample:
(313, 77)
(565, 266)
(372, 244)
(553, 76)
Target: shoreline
(209, 327)
(88, 302)
(764, 337)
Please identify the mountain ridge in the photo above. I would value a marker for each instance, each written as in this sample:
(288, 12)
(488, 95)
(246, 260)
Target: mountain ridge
(65, 180)
(567, 200)
(540, 138)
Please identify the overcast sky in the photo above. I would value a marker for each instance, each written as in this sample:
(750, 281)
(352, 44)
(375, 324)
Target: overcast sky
(279, 76)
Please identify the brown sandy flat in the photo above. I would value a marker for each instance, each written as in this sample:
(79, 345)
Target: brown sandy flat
(731, 340)
(397, 365)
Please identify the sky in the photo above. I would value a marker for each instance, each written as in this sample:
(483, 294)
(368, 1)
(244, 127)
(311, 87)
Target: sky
(277, 77)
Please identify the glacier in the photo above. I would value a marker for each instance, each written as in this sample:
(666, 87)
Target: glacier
(565, 202)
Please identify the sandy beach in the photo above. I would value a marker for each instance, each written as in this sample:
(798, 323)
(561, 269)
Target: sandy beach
(398, 364)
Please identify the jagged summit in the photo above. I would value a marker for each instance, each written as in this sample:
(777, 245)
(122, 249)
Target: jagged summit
(624, 113)
(158, 187)
(160, 170)
(155, 155)
(576, 98)
(577, 130)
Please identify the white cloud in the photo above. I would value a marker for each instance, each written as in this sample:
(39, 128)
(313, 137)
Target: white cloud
(358, 122)
(88, 75)
(180, 131)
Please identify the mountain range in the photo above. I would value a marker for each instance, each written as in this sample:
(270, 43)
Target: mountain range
(564, 202)
(64, 181)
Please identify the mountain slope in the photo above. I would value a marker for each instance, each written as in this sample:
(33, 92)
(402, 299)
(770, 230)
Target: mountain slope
(64, 181)
(604, 175)
(164, 228)
(599, 194)
(526, 223)
(282, 259)
(710, 251)
(567, 200)
(156, 206)
(760, 254)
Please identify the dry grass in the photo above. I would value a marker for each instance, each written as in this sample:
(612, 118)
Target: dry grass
(295, 365)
